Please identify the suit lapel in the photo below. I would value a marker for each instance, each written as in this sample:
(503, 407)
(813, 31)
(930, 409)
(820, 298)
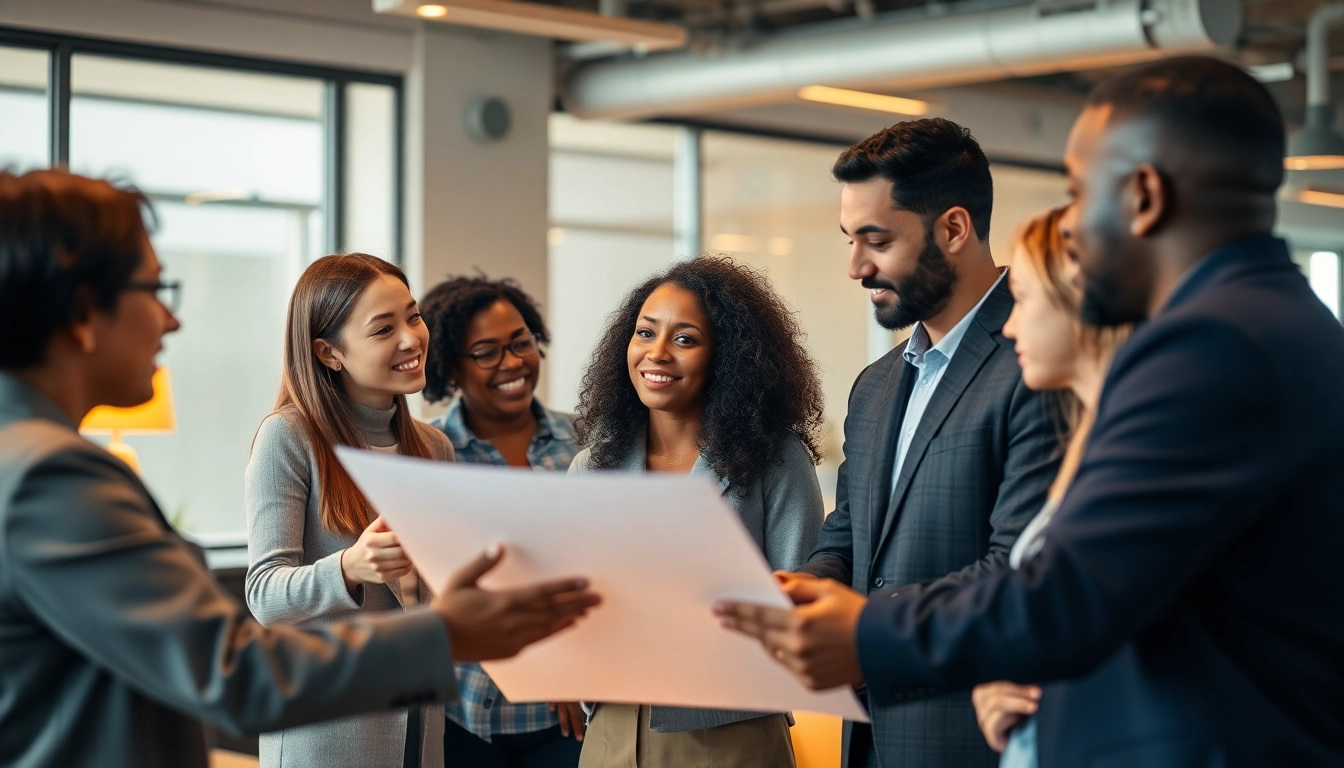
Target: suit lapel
(970, 356)
(892, 399)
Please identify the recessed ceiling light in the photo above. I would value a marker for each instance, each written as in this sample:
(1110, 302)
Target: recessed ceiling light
(432, 11)
(863, 100)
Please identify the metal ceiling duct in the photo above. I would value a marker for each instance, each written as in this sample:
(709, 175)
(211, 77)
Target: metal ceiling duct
(904, 53)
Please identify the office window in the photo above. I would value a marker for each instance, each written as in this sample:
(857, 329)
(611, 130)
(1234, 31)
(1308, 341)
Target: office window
(254, 169)
(234, 163)
(611, 226)
(773, 204)
(24, 127)
(371, 163)
(1322, 269)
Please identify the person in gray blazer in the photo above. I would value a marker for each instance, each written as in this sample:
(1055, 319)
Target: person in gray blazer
(115, 639)
(948, 454)
(355, 346)
(702, 371)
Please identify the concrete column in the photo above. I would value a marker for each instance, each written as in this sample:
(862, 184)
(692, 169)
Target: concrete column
(470, 204)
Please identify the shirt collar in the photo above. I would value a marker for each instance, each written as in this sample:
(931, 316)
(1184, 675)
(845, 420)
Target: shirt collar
(25, 401)
(454, 425)
(947, 346)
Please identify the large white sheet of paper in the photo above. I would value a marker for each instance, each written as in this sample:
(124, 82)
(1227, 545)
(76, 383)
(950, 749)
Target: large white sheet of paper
(660, 551)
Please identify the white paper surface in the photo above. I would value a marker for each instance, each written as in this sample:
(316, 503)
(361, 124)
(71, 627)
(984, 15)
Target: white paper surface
(660, 551)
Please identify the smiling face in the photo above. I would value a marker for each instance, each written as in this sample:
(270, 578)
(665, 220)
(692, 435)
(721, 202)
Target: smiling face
(671, 351)
(504, 392)
(893, 255)
(127, 340)
(382, 345)
(1046, 333)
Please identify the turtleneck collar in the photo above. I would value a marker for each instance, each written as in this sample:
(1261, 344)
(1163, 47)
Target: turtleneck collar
(375, 425)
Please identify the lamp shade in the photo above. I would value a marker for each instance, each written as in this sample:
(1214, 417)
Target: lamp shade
(1316, 146)
(155, 416)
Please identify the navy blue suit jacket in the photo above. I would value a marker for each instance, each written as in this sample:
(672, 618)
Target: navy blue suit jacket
(1187, 608)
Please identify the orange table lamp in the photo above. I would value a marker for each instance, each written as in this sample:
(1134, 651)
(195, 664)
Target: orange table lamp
(153, 417)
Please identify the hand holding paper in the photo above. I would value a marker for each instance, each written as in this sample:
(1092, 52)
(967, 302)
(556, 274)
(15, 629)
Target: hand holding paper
(816, 639)
(660, 550)
(485, 625)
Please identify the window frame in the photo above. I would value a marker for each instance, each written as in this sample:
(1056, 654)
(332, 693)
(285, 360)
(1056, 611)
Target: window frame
(62, 48)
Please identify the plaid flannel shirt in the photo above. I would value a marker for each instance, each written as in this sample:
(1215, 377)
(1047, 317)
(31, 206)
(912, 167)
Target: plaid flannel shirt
(481, 708)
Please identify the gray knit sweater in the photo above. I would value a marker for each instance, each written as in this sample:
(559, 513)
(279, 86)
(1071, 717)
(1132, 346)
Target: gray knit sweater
(294, 577)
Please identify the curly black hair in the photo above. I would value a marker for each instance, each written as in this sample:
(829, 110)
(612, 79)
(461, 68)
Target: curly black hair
(447, 310)
(763, 385)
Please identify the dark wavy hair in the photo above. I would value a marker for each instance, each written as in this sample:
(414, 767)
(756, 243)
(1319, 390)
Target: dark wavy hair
(447, 310)
(933, 165)
(763, 385)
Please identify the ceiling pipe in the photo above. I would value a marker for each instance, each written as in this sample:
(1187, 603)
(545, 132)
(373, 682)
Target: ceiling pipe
(905, 53)
(1317, 146)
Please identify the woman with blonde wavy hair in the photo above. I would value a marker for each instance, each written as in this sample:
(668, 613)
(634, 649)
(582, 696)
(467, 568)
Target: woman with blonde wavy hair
(1056, 351)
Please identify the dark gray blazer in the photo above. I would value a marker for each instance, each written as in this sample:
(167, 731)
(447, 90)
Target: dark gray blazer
(114, 637)
(782, 511)
(977, 471)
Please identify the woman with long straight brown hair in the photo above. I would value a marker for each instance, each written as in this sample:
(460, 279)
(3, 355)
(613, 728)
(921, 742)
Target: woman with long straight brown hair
(355, 347)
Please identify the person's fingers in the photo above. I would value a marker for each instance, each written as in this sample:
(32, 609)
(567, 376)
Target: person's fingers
(387, 554)
(397, 573)
(577, 721)
(562, 713)
(804, 591)
(752, 617)
(520, 599)
(381, 540)
(378, 524)
(470, 573)
(997, 726)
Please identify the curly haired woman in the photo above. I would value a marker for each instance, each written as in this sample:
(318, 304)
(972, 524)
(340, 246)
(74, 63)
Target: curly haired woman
(702, 371)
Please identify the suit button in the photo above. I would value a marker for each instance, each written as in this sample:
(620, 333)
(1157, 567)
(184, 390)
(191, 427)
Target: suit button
(878, 582)
(489, 703)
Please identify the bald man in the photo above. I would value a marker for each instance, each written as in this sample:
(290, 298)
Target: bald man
(1186, 606)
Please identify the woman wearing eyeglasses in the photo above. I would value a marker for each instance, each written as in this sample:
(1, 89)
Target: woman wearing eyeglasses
(486, 347)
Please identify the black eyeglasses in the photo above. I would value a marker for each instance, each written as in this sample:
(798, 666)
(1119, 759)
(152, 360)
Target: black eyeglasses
(169, 294)
(491, 356)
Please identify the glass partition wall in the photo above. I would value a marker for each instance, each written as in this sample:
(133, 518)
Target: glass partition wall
(254, 169)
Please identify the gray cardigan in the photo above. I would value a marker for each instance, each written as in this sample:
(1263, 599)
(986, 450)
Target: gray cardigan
(783, 512)
(294, 577)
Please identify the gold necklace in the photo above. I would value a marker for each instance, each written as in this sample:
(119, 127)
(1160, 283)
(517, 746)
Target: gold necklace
(672, 461)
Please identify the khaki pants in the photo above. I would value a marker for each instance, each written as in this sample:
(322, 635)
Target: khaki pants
(619, 737)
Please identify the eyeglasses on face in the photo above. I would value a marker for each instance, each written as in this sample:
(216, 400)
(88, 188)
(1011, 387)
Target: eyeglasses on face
(169, 294)
(489, 356)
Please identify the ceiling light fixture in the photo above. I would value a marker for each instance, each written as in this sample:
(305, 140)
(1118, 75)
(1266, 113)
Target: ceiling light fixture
(863, 100)
(1319, 197)
(556, 22)
(1317, 146)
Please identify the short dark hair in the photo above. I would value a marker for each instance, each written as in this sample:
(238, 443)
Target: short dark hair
(1211, 106)
(61, 236)
(449, 307)
(932, 164)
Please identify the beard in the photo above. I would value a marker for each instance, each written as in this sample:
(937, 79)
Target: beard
(1111, 293)
(921, 294)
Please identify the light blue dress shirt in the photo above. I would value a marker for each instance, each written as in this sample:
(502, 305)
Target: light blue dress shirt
(932, 364)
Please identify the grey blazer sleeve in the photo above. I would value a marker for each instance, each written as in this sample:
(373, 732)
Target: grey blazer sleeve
(281, 589)
(96, 565)
(833, 557)
(793, 508)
